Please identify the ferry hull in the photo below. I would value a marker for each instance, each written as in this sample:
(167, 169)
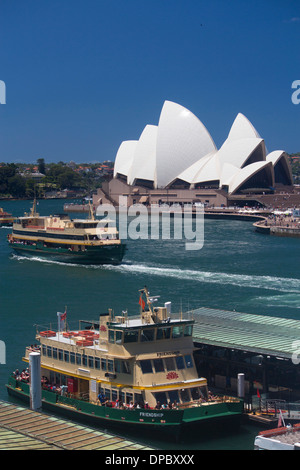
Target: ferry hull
(108, 254)
(171, 422)
(6, 223)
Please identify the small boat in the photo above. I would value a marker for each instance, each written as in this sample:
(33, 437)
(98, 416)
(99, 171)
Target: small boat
(280, 438)
(6, 219)
(135, 372)
(84, 241)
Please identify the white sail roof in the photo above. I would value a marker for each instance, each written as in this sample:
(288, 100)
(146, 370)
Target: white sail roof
(191, 172)
(124, 157)
(237, 152)
(242, 129)
(247, 172)
(211, 171)
(277, 155)
(144, 160)
(182, 140)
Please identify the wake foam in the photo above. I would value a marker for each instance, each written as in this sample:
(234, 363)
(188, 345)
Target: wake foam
(280, 284)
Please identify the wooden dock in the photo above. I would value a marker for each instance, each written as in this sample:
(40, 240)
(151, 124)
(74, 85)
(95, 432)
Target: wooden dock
(22, 428)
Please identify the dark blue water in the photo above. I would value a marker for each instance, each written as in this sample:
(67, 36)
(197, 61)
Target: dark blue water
(237, 269)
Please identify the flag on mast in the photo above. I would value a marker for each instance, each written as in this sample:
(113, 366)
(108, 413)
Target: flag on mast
(142, 302)
(280, 420)
(62, 320)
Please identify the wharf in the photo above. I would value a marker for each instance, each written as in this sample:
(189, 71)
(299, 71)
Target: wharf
(210, 213)
(264, 348)
(22, 428)
(287, 230)
(258, 334)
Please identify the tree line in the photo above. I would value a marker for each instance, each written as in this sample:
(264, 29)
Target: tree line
(16, 182)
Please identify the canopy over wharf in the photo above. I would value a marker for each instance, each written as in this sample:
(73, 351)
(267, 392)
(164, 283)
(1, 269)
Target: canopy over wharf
(264, 348)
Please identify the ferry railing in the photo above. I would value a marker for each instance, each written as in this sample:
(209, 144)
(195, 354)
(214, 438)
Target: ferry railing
(275, 408)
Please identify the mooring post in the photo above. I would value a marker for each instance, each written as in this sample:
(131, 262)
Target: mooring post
(35, 381)
(241, 386)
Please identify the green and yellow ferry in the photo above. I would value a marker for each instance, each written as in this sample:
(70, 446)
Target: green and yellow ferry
(136, 372)
(84, 241)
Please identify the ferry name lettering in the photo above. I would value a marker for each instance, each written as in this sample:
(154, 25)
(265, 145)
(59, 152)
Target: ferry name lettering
(151, 415)
(167, 353)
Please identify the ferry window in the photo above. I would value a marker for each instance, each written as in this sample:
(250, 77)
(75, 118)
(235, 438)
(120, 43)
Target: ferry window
(161, 397)
(51, 377)
(114, 395)
(107, 393)
(66, 356)
(60, 355)
(110, 365)
(122, 397)
(147, 335)
(97, 362)
(44, 350)
(146, 366)
(84, 360)
(54, 351)
(179, 362)
(117, 365)
(118, 337)
(195, 392)
(131, 336)
(78, 359)
(177, 332)
(111, 336)
(103, 363)
(91, 362)
(163, 333)
(185, 396)
(72, 357)
(125, 367)
(49, 351)
(129, 397)
(173, 396)
(188, 330)
(169, 361)
(158, 365)
(138, 398)
(204, 392)
(188, 360)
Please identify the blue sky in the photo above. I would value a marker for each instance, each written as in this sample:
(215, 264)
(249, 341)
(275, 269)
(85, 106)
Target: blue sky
(83, 75)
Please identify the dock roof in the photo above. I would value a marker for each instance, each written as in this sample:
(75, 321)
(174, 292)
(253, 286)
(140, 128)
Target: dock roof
(22, 428)
(259, 334)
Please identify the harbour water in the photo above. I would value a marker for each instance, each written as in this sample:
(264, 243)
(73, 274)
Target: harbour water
(237, 269)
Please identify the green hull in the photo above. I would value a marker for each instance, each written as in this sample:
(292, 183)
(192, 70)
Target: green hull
(172, 421)
(6, 224)
(105, 254)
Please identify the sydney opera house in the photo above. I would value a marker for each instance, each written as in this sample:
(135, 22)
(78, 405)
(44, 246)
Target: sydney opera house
(178, 161)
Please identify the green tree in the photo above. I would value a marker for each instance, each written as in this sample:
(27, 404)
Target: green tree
(41, 165)
(16, 186)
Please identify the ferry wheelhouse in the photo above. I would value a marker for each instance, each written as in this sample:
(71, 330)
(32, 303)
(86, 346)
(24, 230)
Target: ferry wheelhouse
(87, 241)
(6, 219)
(135, 371)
